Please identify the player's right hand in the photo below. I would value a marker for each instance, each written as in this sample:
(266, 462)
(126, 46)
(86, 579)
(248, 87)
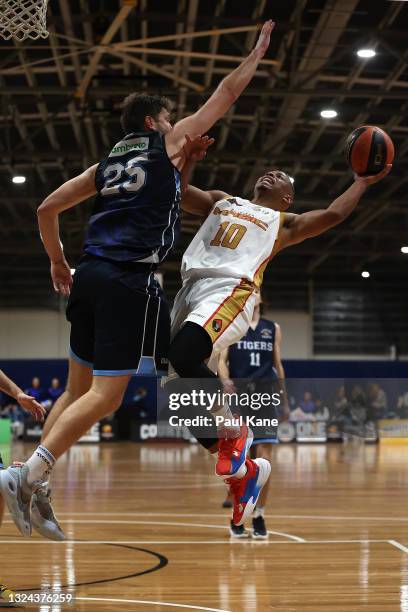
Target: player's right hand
(265, 37)
(61, 277)
(371, 180)
(30, 404)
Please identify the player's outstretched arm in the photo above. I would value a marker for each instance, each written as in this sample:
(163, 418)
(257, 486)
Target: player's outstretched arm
(297, 228)
(199, 202)
(194, 150)
(223, 97)
(26, 401)
(68, 195)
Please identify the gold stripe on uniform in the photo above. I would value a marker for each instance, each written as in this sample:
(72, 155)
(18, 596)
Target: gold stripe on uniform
(258, 277)
(228, 310)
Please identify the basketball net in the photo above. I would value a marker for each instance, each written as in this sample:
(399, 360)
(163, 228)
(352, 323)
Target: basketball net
(21, 19)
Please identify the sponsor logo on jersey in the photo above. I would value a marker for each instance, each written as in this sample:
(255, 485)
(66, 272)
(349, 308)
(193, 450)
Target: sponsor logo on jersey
(266, 333)
(133, 144)
(217, 325)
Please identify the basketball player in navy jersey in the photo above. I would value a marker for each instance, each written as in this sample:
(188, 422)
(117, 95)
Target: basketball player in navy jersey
(119, 319)
(255, 358)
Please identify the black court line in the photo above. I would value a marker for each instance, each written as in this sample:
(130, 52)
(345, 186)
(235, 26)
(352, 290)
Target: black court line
(162, 561)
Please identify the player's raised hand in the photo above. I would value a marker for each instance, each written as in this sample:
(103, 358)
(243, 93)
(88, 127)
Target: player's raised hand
(375, 178)
(61, 277)
(265, 37)
(196, 148)
(31, 405)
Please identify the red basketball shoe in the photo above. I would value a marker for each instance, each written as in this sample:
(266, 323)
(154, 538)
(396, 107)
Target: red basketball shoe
(232, 452)
(246, 490)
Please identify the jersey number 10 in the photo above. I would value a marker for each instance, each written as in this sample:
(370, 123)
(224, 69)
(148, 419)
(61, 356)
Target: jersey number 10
(229, 235)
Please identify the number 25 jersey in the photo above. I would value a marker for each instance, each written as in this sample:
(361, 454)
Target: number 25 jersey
(236, 240)
(136, 212)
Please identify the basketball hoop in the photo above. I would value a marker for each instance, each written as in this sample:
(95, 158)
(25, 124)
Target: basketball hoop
(21, 19)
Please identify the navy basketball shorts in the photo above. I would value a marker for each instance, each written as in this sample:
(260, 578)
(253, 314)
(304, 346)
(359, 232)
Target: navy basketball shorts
(120, 322)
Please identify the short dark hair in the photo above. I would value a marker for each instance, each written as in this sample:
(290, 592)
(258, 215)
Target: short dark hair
(137, 106)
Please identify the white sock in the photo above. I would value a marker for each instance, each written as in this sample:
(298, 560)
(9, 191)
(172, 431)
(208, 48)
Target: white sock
(229, 428)
(39, 464)
(259, 511)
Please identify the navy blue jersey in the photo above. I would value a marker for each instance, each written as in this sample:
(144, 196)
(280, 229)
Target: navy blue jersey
(252, 356)
(137, 209)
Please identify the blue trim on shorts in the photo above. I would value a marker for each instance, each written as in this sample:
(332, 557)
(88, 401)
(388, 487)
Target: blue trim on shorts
(89, 364)
(265, 441)
(147, 366)
(113, 372)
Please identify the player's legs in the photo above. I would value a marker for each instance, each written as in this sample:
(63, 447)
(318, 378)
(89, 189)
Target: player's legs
(263, 450)
(78, 383)
(103, 398)
(125, 310)
(259, 529)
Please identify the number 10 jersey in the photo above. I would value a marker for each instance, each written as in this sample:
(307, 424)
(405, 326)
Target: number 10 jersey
(235, 241)
(136, 211)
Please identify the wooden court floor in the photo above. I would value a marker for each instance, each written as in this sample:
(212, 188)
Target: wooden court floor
(147, 533)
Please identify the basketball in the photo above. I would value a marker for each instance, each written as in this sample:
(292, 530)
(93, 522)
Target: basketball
(369, 149)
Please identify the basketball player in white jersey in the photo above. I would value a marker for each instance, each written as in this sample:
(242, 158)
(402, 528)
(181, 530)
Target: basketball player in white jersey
(221, 271)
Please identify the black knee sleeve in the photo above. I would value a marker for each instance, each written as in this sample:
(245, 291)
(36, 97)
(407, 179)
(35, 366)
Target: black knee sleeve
(188, 351)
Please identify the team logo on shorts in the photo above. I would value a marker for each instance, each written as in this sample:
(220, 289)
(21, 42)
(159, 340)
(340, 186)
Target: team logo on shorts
(217, 325)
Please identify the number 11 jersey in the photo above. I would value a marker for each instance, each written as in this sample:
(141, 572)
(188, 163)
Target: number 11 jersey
(137, 208)
(236, 240)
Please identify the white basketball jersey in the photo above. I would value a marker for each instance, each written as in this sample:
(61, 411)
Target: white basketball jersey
(236, 240)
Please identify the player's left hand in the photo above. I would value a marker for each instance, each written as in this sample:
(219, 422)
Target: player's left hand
(31, 405)
(375, 178)
(196, 148)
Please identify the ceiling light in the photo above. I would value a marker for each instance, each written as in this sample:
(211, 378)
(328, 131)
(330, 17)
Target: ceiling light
(328, 113)
(366, 53)
(365, 274)
(18, 179)
(292, 180)
(72, 270)
(404, 250)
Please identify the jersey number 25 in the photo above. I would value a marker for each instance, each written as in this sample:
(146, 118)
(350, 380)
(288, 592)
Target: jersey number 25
(135, 173)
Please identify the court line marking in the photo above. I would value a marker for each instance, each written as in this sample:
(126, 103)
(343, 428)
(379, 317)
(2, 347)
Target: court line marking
(153, 603)
(205, 542)
(167, 523)
(398, 545)
(215, 515)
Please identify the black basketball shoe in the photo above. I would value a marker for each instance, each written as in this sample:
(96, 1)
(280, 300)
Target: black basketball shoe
(238, 531)
(259, 531)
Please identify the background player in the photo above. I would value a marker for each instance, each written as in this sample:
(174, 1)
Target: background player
(119, 318)
(256, 361)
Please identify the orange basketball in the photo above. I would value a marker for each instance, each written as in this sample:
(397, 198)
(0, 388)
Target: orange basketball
(369, 149)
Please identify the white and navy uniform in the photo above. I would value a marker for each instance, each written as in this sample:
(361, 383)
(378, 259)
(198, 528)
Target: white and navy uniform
(222, 268)
(251, 365)
(252, 356)
(120, 322)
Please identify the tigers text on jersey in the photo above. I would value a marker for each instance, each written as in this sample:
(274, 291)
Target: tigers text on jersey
(236, 240)
(136, 212)
(252, 356)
